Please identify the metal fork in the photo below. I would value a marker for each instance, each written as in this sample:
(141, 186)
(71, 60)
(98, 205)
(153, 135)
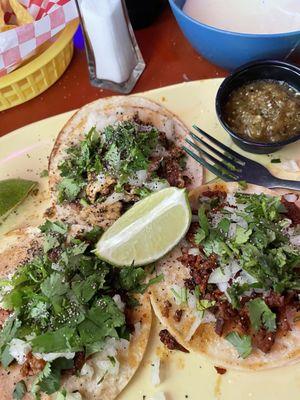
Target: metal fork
(231, 166)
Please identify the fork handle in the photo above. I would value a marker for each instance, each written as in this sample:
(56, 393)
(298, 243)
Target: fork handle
(277, 183)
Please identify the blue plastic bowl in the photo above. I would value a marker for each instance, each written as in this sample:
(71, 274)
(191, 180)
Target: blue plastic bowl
(228, 49)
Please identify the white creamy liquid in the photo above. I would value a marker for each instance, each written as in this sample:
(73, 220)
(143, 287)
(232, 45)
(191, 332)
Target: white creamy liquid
(247, 16)
(110, 39)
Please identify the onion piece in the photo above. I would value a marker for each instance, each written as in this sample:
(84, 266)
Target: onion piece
(113, 198)
(194, 251)
(291, 197)
(195, 325)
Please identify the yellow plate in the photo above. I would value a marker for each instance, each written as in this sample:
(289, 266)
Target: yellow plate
(39, 73)
(183, 376)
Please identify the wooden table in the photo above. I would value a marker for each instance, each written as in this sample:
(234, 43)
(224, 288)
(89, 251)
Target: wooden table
(169, 57)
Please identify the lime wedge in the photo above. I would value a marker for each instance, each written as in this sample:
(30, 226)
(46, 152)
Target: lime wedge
(148, 230)
(12, 193)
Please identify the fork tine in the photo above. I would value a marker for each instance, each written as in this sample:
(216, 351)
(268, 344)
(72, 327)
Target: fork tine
(210, 167)
(217, 152)
(212, 158)
(233, 153)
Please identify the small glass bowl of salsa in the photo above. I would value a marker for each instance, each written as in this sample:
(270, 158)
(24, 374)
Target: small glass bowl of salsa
(259, 105)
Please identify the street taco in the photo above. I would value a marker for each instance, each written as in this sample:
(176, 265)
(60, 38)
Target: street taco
(71, 326)
(112, 153)
(231, 288)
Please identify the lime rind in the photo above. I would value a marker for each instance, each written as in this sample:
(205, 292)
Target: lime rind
(12, 193)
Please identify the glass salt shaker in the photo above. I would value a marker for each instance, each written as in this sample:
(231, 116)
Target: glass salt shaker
(114, 58)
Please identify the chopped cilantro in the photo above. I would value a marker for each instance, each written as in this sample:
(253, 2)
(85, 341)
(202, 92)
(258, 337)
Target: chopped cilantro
(69, 189)
(242, 343)
(203, 221)
(9, 331)
(66, 304)
(119, 151)
(275, 161)
(203, 305)
(261, 316)
(242, 235)
(56, 226)
(199, 236)
(224, 225)
(142, 192)
(93, 235)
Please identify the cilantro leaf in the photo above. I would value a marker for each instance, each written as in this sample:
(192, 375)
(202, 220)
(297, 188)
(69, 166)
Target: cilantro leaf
(50, 383)
(101, 321)
(59, 341)
(69, 189)
(53, 286)
(6, 358)
(20, 390)
(112, 157)
(224, 225)
(261, 315)
(130, 278)
(203, 221)
(48, 380)
(85, 289)
(199, 236)
(54, 227)
(93, 235)
(142, 192)
(50, 242)
(9, 331)
(242, 343)
(242, 235)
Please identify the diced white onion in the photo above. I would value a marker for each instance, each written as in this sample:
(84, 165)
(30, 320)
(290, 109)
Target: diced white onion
(101, 179)
(244, 277)
(231, 200)
(113, 198)
(225, 274)
(295, 240)
(57, 267)
(53, 356)
(194, 251)
(155, 366)
(119, 302)
(107, 366)
(192, 301)
(19, 349)
(110, 348)
(156, 186)
(222, 286)
(232, 230)
(87, 370)
(122, 344)
(208, 318)
(139, 178)
(291, 197)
